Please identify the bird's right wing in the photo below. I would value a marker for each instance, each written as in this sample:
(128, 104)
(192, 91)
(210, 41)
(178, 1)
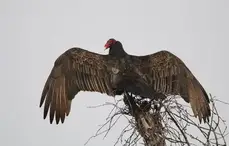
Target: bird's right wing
(75, 70)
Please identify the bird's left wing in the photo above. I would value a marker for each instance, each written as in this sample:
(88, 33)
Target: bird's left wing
(167, 74)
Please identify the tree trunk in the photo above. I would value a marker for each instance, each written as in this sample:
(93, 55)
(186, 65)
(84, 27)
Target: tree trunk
(148, 122)
(150, 128)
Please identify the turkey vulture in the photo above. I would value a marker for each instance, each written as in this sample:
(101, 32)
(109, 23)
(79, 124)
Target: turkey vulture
(118, 72)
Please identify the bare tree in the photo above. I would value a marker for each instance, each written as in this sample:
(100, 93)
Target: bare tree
(164, 122)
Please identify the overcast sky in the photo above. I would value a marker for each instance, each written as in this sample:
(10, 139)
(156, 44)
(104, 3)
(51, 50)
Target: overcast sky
(34, 33)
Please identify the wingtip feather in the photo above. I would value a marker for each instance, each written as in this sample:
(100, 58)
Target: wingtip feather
(199, 102)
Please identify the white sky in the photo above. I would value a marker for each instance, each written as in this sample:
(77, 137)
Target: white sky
(34, 33)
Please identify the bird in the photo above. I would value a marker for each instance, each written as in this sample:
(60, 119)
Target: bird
(160, 73)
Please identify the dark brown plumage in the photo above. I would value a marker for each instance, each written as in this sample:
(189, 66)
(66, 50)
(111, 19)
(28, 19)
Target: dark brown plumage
(75, 70)
(167, 74)
(147, 76)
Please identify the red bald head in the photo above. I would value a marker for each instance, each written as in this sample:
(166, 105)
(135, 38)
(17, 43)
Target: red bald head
(109, 43)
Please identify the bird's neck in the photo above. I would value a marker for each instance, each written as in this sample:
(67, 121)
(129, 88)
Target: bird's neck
(117, 50)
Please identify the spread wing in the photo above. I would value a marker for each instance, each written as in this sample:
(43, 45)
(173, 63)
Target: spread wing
(75, 70)
(167, 74)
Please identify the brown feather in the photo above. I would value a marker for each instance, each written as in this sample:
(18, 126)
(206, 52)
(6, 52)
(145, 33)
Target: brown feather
(167, 74)
(75, 70)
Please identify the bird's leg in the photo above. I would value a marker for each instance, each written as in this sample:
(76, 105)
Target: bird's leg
(129, 101)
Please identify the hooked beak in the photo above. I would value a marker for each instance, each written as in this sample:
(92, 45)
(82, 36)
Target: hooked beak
(106, 46)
